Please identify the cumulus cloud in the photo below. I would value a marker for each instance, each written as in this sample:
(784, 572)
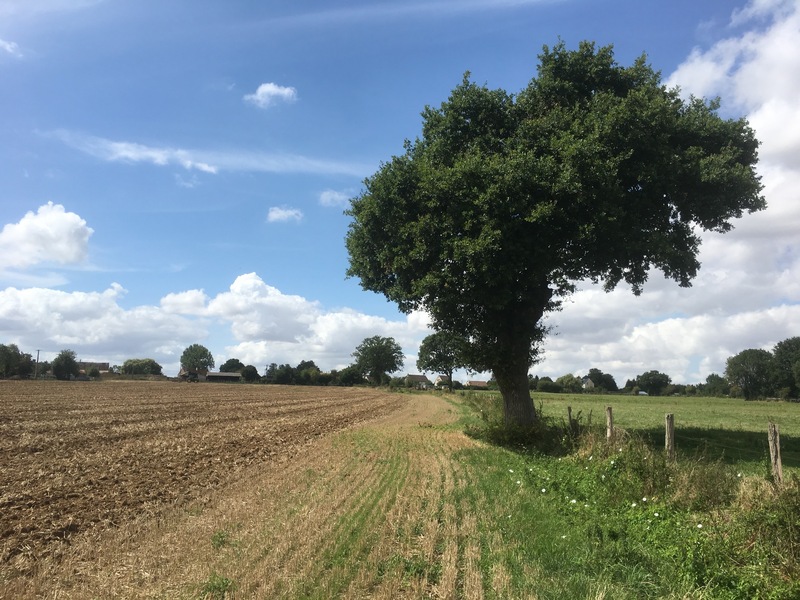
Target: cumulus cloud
(335, 198)
(269, 94)
(192, 302)
(266, 325)
(270, 326)
(50, 235)
(282, 214)
(94, 324)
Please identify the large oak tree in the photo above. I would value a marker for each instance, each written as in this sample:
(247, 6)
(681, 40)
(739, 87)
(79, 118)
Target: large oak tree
(594, 171)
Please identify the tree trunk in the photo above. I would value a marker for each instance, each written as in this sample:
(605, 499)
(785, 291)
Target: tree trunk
(518, 329)
(517, 402)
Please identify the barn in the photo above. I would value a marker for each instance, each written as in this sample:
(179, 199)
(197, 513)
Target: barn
(223, 377)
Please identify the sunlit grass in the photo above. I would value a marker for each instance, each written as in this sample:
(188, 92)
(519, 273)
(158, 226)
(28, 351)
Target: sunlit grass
(620, 521)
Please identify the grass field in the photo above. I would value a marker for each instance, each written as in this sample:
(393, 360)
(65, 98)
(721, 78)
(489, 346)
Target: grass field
(356, 493)
(726, 428)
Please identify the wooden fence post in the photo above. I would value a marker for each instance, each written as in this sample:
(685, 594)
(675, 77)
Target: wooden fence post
(669, 436)
(775, 453)
(609, 425)
(573, 426)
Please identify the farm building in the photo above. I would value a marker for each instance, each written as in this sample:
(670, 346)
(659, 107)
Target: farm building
(441, 381)
(421, 382)
(223, 377)
(193, 374)
(477, 385)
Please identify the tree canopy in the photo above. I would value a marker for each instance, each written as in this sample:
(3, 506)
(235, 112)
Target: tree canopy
(441, 352)
(197, 358)
(653, 382)
(65, 365)
(786, 366)
(751, 371)
(14, 362)
(376, 356)
(594, 172)
(232, 365)
(141, 366)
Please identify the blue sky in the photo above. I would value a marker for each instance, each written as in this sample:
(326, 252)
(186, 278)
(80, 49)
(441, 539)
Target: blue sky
(176, 172)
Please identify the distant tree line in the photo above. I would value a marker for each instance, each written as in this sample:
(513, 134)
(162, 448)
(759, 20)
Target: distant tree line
(14, 363)
(751, 374)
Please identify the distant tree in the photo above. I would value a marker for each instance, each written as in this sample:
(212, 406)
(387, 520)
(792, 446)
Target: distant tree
(197, 358)
(595, 171)
(602, 381)
(653, 382)
(43, 368)
(307, 373)
(546, 384)
(270, 373)
(141, 366)
(94, 373)
(376, 356)
(65, 365)
(232, 365)
(442, 352)
(284, 375)
(716, 386)
(570, 383)
(14, 362)
(249, 373)
(351, 375)
(786, 356)
(751, 371)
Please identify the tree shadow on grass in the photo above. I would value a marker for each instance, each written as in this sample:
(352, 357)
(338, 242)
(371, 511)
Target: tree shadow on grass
(726, 445)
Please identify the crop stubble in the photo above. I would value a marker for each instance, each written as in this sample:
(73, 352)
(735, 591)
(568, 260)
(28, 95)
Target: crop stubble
(76, 457)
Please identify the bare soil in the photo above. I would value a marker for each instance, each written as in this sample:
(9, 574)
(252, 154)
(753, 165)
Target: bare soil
(80, 459)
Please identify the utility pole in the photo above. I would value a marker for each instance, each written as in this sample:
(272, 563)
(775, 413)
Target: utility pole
(36, 370)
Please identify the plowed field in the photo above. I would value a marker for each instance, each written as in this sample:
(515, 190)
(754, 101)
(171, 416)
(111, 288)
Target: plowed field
(79, 458)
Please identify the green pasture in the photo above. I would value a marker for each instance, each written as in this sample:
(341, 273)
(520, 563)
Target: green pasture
(728, 429)
(621, 521)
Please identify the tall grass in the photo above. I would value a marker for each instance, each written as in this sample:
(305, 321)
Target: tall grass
(600, 520)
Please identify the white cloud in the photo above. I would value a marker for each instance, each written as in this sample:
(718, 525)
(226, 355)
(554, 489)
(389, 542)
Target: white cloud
(282, 214)
(192, 302)
(93, 324)
(269, 94)
(50, 235)
(11, 48)
(132, 152)
(204, 160)
(266, 325)
(335, 198)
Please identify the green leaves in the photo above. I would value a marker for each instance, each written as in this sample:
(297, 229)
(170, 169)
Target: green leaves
(594, 171)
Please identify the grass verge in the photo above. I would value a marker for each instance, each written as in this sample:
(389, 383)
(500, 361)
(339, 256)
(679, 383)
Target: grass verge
(620, 521)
